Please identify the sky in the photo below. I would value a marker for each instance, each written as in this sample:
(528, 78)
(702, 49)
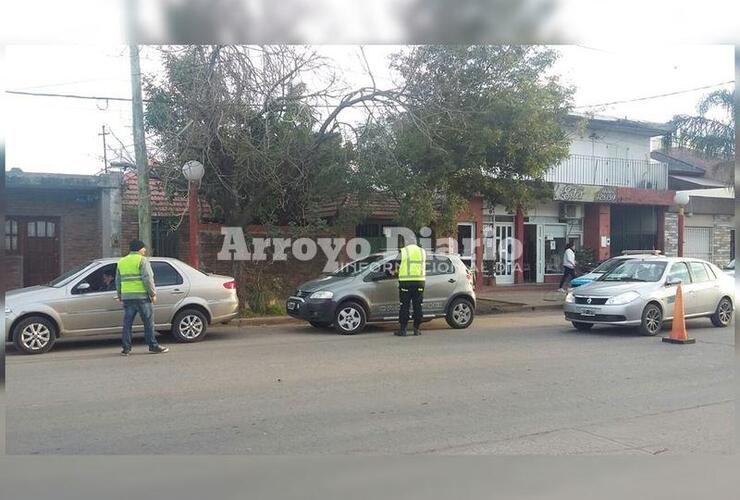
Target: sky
(46, 134)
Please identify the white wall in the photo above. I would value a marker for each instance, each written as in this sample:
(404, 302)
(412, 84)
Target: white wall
(609, 143)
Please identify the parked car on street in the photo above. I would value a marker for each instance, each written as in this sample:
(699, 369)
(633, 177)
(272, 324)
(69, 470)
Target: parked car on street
(81, 302)
(607, 266)
(641, 292)
(364, 291)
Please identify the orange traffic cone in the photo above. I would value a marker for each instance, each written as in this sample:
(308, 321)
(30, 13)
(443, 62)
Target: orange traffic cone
(678, 330)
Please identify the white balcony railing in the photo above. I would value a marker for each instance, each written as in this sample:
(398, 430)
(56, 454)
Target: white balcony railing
(604, 171)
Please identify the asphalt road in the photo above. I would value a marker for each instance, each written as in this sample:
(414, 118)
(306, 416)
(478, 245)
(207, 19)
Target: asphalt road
(511, 384)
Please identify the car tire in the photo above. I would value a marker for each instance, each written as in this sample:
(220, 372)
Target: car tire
(34, 335)
(723, 314)
(460, 313)
(320, 324)
(349, 318)
(584, 327)
(652, 320)
(189, 325)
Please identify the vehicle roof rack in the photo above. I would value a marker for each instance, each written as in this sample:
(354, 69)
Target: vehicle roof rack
(641, 252)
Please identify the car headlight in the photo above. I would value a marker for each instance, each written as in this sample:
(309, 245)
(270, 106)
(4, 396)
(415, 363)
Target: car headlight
(623, 298)
(8, 310)
(570, 298)
(324, 294)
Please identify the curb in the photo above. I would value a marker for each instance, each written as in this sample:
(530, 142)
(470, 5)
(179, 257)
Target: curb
(498, 308)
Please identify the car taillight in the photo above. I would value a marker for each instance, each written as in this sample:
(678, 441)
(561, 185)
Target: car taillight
(469, 275)
(230, 285)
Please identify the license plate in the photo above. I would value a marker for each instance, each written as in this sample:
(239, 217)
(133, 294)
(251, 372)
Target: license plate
(292, 306)
(588, 312)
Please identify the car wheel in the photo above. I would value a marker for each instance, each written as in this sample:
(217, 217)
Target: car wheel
(652, 320)
(320, 324)
(460, 313)
(723, 315)
(582, 326)
(34, 335)
(189, 325)
(349, 318)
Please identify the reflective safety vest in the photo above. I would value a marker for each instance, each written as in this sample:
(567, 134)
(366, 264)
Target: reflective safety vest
(413, 264)
(129, 267)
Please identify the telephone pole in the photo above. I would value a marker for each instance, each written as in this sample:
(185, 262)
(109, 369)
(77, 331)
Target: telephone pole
(105, 151)
(142, 167)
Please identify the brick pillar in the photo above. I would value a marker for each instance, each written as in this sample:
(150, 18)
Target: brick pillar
(597, 224)
(519, 237)
(660, 236)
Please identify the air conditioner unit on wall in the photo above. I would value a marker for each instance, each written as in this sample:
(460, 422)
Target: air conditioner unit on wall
(569, 211)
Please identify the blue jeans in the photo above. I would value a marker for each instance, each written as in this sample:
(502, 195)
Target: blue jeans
(144, 308)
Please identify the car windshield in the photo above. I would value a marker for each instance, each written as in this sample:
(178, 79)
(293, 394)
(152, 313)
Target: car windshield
(64, 278)
(358, 266)
(636, 270)
(608, 265)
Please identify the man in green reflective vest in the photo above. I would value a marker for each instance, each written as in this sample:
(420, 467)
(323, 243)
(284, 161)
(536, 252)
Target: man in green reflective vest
(411, 279)
(135, 287)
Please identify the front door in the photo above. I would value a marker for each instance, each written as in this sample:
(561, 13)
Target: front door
(504, 247)
(465, 243)
(40, 247)
(91, 304)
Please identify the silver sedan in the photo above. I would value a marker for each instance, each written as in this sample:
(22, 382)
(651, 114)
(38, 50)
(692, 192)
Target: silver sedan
(82, 302)
(642, 292)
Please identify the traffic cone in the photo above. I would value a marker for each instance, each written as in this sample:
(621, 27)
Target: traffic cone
(678, 330)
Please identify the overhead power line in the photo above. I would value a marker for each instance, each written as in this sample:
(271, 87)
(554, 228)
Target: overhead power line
(71, 96)
(668, 94)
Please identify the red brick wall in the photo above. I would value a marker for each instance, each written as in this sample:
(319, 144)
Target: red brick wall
(597, 223)
(79, 220)
(12, 272)
(634, 196)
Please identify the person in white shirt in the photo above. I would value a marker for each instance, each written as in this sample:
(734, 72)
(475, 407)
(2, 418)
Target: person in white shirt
(569, 266)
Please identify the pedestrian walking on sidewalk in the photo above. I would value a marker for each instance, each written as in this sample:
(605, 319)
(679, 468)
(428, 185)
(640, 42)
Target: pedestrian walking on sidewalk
(569, 266)
(135, 287)
(411, 279)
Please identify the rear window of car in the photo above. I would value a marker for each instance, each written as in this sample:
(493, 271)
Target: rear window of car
(439, 265)
(165, 274)
(712, 274)
(698, 272)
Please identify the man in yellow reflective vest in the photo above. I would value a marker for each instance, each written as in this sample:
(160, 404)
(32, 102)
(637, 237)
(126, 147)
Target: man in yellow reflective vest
(135, 287)
(411, 279)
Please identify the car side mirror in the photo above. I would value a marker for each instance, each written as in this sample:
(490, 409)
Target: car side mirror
(673, 281)
(83, 288)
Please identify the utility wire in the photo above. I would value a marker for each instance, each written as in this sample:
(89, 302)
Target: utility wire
(653, 96)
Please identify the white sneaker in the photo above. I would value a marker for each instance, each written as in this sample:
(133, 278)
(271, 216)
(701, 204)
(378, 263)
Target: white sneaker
(561, 290)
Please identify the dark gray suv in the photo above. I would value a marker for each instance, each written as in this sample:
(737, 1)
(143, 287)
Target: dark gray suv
(365, 291)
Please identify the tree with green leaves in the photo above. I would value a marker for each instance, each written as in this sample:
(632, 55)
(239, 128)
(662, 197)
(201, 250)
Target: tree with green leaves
(473, 120)
(710, 133)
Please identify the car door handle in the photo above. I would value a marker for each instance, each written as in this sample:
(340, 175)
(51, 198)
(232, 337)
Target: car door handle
(450, 280)
(176, 291)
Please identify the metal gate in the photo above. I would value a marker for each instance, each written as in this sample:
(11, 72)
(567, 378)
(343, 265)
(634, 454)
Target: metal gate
(698, 243)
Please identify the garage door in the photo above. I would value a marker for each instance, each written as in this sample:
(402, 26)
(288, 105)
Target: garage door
(698, 242)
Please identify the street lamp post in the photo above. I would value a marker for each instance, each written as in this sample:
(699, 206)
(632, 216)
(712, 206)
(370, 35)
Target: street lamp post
(681, 199)
(193, 171)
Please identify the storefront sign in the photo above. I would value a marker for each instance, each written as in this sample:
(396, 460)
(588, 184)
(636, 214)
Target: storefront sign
(580, 192)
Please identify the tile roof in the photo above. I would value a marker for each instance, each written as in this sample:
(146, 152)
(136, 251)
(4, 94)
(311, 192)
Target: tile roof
(377, 205)
(162, 205)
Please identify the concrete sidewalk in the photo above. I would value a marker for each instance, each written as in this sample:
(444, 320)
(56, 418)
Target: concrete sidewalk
(495, 300)
(511, 299)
